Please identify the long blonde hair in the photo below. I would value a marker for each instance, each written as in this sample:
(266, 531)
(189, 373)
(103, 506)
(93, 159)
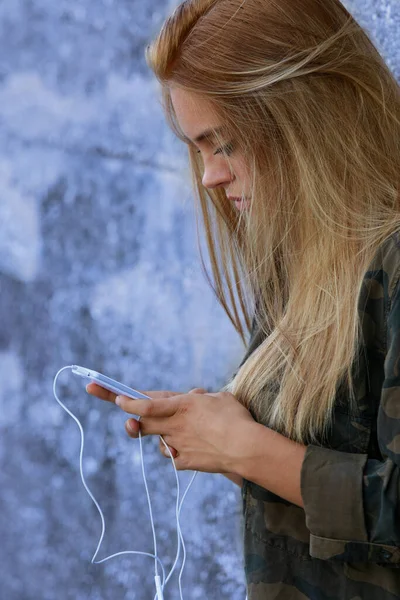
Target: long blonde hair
(314, 109)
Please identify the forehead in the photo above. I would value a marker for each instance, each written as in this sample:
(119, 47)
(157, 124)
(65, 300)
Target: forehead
(195, 115)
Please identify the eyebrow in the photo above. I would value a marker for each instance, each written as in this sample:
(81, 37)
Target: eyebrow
(209, 133)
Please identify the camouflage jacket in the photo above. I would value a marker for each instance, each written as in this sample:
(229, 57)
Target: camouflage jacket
(345, 543)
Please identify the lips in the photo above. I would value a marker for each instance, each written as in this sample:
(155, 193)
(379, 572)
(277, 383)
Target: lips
(241, 203)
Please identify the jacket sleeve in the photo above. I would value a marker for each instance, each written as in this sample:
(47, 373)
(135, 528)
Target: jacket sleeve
(352, 503)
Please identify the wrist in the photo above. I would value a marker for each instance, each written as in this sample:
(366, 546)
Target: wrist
(269, 460)
(244, 448)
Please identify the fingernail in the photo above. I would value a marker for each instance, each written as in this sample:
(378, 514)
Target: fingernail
(129, 424)
(118, 400)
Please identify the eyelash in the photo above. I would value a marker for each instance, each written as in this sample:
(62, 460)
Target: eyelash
(227, 149)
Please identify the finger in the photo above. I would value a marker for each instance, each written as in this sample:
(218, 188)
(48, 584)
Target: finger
(132, 428)
(173, 452)
(149, 427)
(158, 408)
(96, 390)
(153, 427)
(160, 394)
(163, 450)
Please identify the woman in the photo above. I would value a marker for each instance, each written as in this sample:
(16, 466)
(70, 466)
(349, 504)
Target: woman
(292, 122)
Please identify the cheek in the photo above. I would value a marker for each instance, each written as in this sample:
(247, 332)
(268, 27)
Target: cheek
(243, 175)
(240, 167)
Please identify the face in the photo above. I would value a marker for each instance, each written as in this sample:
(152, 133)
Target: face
(196, 118)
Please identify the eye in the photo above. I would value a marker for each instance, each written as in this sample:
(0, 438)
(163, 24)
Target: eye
(227, 149)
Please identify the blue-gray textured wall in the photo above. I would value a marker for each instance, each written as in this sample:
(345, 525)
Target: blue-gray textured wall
(99, 266)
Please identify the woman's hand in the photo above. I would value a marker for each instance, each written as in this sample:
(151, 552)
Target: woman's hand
(205, 431)
(133, 430)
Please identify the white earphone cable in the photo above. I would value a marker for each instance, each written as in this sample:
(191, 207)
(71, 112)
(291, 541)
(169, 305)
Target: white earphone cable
(159, 585)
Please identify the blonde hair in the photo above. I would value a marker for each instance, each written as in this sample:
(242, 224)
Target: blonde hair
(312, 106)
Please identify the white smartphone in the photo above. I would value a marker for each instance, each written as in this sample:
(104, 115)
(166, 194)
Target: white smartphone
(109, 384)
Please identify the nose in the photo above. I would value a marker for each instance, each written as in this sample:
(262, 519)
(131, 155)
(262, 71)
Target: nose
(217, 174)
